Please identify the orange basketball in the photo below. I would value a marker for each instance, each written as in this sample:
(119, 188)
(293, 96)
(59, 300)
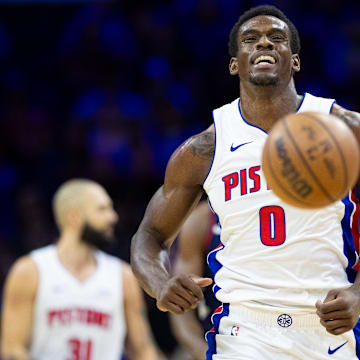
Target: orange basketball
(310, 159)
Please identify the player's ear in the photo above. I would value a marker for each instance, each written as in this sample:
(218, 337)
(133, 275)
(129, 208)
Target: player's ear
(295, 62)
(233, 66)
(74, 218)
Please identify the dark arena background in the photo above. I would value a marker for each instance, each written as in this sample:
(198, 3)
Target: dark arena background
(107, 90)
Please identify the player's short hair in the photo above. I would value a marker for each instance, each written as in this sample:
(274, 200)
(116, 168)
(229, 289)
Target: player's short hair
(71, 193)
(266, 10)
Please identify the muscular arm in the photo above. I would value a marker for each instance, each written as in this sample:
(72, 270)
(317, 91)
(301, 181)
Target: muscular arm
(190, 260)
(340, 310)
(17, 313)
(163, 218)
(140, 344)
(352, 119)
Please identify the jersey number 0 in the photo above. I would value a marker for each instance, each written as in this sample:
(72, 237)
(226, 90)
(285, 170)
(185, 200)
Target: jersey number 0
(272, 225)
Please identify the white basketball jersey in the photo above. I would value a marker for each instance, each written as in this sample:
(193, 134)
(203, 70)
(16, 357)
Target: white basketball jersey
(77, 320)
(272, 254)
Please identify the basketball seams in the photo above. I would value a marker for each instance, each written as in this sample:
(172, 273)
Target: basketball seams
(339, 150)
(290, 195)
(315, 178)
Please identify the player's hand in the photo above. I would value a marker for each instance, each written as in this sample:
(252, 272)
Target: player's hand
(181, 293)
(340, 310)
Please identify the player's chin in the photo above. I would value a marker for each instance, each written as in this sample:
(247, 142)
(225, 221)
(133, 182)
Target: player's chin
(264, 79)
(110, 233)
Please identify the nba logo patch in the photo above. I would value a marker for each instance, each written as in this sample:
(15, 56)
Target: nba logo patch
(235, 330)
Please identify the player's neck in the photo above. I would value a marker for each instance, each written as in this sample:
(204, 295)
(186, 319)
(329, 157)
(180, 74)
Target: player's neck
(263, 106)
(74, 254)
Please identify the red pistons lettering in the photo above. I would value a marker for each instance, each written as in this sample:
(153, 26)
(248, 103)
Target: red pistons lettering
(247, 179)
(78, 315)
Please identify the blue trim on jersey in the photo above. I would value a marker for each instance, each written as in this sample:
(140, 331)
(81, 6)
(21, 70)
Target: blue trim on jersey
(213, 263)
(302, 101)
(332, 105)
(216, 215)
(356, 331)
(242, 117)
(213, 158)
(349, 247)
(210, 336)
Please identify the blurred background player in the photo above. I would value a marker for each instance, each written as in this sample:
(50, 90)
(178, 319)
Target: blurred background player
(71, 300)
(199, 236)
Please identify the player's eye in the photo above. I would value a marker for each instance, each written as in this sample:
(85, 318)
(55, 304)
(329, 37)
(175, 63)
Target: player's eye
(277, 38)
(249, 39)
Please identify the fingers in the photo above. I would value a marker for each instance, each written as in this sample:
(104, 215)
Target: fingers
(179, 295)
(202, 282)
(337, 304)
(331, 325)
(332, 295)
(338, 331)
(337, 327)
(335, 315)
(192, 287)
(173, 308)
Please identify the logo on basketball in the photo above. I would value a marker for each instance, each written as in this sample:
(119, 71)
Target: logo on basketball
(284, 320)
(289, 171)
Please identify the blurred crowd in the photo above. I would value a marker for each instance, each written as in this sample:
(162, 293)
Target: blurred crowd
(108, 90)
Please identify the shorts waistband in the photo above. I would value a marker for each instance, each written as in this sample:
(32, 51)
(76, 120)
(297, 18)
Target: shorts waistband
(277, 318)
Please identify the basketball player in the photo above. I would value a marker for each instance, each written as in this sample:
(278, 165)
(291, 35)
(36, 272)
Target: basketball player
(286, 277)
(199, 235)
(71, 301)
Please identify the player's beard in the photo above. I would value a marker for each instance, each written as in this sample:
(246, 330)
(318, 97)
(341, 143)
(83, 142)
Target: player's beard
(96, 238)
(264, 79)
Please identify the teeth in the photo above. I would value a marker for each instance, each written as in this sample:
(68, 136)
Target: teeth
(264, 58)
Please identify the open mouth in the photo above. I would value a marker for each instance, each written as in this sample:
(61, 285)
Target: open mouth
(265, 59)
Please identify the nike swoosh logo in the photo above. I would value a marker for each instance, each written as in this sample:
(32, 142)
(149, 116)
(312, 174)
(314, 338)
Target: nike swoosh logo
(233, 148)
(330, 352)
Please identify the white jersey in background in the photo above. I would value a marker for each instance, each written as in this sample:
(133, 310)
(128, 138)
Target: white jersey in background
(263, 261)
(76, 320)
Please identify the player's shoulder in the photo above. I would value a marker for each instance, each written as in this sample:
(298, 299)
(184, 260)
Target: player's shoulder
(24, 265)
(109, 259)
(348, 116)
(44, 251)
(199, 145)
(191, 161)
(24, 273)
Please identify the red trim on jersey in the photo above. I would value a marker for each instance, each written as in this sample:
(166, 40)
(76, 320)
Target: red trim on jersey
(355, 221)
(218, 310)
(210, 233)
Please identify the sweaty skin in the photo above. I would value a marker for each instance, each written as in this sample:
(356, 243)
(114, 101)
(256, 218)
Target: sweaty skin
(267, 93)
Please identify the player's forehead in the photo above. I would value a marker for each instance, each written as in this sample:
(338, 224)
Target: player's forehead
(264, 23)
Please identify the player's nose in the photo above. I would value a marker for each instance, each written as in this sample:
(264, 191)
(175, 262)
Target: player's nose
(114, 217)
(264, 43)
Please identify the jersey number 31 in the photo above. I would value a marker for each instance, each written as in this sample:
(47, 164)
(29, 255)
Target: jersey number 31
(80, 350)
